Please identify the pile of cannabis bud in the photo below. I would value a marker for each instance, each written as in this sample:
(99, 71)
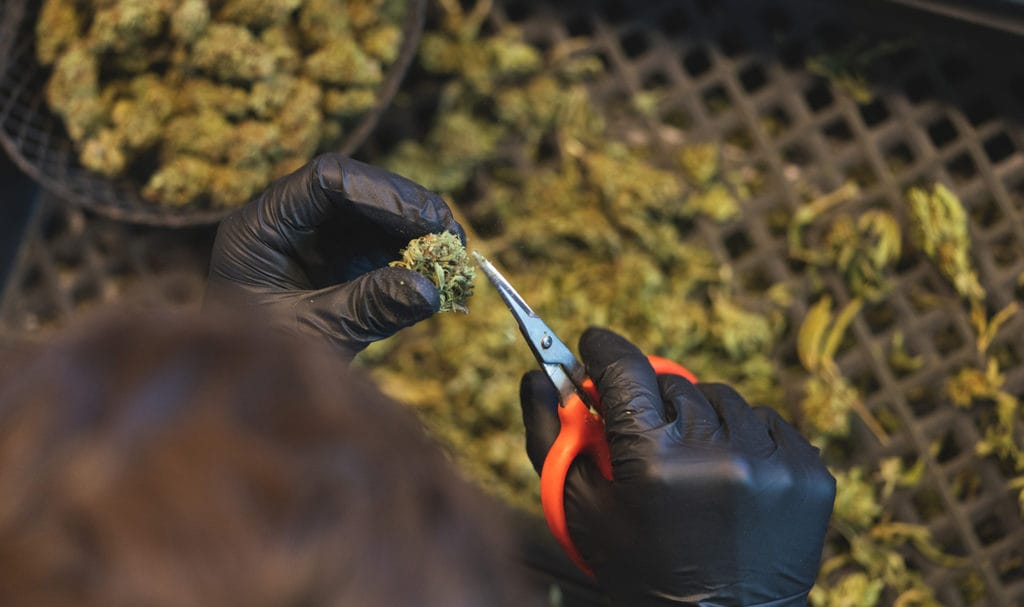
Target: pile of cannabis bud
(206, 102)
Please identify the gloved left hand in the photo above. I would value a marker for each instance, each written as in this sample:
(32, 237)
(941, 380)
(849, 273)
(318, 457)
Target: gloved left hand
(312, 251)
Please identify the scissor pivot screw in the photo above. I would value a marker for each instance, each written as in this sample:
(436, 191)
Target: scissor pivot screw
(545, 342)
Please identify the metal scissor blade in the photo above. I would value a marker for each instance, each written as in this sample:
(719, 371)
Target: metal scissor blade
(509, 295)
(557, 360)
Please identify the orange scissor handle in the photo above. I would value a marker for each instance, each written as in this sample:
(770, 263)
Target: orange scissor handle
(582, 431)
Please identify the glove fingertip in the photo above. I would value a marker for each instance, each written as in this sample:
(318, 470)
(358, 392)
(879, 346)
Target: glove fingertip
(386, 300)
(782, 432)
(786, 436)
(539, 401)
(414, 289)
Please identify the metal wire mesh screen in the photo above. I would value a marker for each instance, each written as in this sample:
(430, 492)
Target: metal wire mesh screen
(36, 139)
(73, 261)
(738, 72)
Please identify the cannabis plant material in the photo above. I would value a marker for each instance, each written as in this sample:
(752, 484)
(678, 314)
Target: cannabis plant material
(863, 249)
(899, 358)
(741, 332)
(848, 68)
(700, 163)
(716, 192)
(872, 560)
(852, 590)
(986, 328)
(939, 228)
(206, 102)
(828, 396)
(442, 259)
(971, 386)
(598, 218)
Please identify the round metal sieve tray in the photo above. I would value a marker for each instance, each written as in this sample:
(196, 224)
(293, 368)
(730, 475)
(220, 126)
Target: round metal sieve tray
(36, 140)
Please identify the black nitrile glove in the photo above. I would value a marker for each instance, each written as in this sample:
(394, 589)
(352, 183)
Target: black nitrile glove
(312, 251)
(714, 503)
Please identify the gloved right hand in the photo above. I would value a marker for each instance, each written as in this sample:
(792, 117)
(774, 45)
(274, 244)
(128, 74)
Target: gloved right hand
(714, 503)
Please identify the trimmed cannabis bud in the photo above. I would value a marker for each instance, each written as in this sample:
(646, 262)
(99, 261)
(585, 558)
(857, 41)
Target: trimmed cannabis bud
(442, 259)
(209, 101)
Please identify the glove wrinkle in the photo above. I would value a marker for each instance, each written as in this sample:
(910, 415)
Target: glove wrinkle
(704, 600)
(294, 224)
(233, 267)
(630, 398)
(744, 429)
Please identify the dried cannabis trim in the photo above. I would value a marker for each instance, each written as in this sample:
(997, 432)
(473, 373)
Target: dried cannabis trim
(863, 250)
(716, 193)
(442, 259)
(592, 214)
(873, 560)
(225, 96)
(899, 358)
(848, 68)
(939, 227)
(971, 386)
(828, 396)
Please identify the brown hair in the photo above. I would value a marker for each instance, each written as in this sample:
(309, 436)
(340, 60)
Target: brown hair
(188, 461)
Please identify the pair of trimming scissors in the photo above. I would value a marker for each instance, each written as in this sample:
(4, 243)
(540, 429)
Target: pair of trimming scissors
(582, 428)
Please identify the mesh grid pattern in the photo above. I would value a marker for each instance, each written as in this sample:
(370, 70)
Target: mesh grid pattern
(73, 261)
(736, 72)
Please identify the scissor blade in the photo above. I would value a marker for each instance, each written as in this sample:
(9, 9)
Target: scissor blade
(509, 295)
(557, 360)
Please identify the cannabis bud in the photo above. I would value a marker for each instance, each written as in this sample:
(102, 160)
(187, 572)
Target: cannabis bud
(442, 259)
